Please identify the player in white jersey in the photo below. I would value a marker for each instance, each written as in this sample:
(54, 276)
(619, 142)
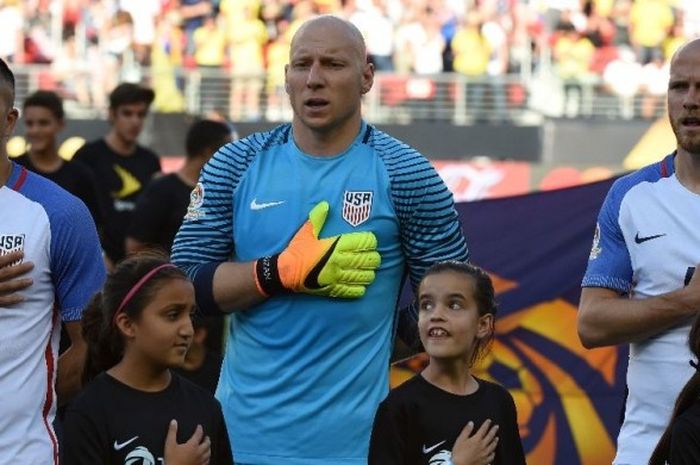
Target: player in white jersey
(639, 287)
(50, 266)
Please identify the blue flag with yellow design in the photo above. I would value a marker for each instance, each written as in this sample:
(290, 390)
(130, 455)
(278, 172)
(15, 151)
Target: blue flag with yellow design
(535, 247)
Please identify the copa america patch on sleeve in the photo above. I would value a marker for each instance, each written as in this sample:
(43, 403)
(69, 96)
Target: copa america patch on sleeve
(595, 249)
(11, 243)
(194, 209)
(357, 205)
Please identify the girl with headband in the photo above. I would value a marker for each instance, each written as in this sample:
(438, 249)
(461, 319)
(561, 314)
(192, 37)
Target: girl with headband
(135, 409)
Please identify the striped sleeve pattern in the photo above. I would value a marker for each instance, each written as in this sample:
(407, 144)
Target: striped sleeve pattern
(429, 224)
(206, 234)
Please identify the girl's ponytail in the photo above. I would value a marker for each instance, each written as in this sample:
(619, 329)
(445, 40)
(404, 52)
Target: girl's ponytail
(104, 344)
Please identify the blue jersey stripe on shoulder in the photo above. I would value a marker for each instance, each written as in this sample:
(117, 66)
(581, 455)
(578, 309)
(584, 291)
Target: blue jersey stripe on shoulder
(77, 267)
(430, 227)
(206, 235)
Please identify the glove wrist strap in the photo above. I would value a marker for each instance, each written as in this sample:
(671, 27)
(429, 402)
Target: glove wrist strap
(267, 277)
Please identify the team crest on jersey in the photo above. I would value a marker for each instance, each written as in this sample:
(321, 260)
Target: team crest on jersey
(595, 249)
(357, 206)
(11, 243)
(194, 210)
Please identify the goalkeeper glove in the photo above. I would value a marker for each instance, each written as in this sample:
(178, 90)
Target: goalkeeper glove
(339, 266)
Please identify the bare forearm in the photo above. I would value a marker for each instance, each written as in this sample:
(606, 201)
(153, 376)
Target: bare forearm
(605, 318)
(234, 286)
(70, 368)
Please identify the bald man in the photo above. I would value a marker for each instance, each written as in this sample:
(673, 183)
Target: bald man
(305, 234)
(639, 287)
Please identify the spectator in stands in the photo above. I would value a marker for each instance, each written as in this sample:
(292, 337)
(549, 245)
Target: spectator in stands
(193, 13)
(12, 27)
(573, 54)
(493, 31)
(277, 53)
(210, 44)
(117, 44)
(472, 52)
(650, 23)
(121, 166)
(376, 26)
(160, 209)
(144, 14)
(654, 83)
(623, 77)
(43, 120)
(73, 75)
(247, 39)
(166, 60)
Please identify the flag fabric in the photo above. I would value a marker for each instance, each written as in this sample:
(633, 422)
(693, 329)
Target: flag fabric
(535, 247)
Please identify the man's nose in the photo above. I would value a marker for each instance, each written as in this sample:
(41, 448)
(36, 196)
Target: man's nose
(692, 98)
(315, 77)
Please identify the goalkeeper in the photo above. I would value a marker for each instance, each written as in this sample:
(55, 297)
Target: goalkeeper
(305, 235)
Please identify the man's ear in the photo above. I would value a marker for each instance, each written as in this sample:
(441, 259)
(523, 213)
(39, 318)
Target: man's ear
(286, 83)
(10, 121)
(367, 77)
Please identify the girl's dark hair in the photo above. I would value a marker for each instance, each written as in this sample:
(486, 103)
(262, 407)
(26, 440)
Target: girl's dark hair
(484, 295)
(689, 394)
(104, 340)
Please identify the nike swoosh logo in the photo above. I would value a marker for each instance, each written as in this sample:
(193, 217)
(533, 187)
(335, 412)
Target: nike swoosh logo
(639, 240)
(120, 446)
(427, 450)
(254, 205)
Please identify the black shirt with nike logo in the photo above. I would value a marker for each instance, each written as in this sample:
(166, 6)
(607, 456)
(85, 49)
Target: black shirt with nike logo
(418, 423)
(112, 423)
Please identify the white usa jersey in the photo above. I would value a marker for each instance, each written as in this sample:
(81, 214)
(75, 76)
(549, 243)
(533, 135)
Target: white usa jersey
(56, 233)
(647, 237)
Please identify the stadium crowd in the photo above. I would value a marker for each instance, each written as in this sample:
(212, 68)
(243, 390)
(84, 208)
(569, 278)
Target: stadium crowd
(92, 45)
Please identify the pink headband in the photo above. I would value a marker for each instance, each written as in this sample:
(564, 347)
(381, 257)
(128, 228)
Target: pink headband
(135, 288)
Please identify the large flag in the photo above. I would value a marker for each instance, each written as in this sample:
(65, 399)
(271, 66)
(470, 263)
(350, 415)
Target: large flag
(535, 247)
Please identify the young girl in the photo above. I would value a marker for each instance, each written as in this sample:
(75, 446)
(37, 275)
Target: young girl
(680, 443)
(136, 410)
(445, 415)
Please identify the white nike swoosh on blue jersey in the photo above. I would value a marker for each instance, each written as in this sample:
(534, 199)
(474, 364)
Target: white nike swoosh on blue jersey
(120, 446)
(254, 205)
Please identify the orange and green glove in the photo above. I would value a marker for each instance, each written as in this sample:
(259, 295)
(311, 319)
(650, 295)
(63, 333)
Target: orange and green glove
(339, 266)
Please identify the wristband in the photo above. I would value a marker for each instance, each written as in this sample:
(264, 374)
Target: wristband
(267, 278)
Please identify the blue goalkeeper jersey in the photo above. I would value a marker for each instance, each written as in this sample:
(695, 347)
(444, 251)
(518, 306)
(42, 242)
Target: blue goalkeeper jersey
(302, 375)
